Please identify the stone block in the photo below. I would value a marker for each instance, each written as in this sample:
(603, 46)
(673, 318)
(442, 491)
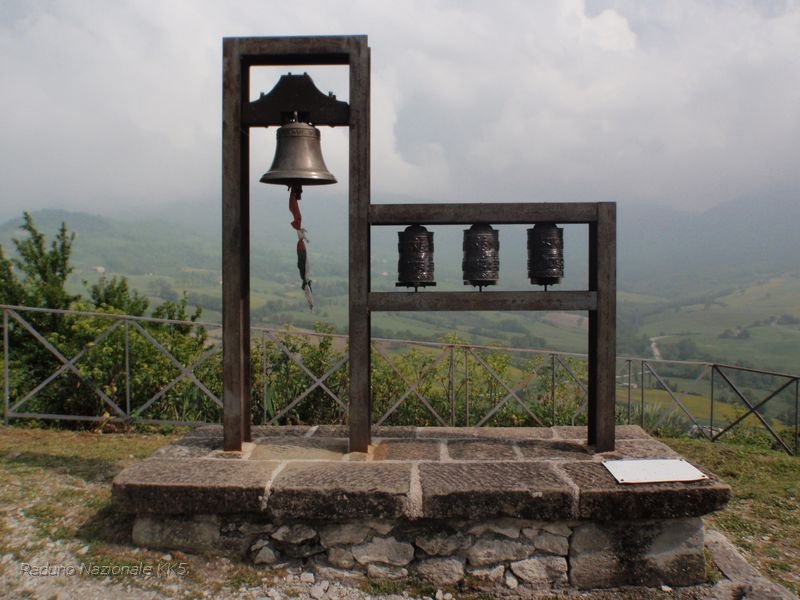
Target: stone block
(482, 490)
(552, 544)
(294, 534)
(642, 553)
(494, 450)
(554, 450)
(487, 574)
(265, 556)
(405, 449)
(441, 571)
(647, 448)
(507, 527)
(300, 448)
(542, 572)
(192, 486)
(200, 533)
(384, 550)
(379, 571)
(341, 557)
(345, 533)
(440, 544)
(492, 551)
(340, 490)
(602, 498)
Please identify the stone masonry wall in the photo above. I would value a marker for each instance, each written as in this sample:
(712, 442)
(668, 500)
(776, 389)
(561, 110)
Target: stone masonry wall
(504, 553)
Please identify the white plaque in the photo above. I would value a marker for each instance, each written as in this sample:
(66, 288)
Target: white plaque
(653, 470)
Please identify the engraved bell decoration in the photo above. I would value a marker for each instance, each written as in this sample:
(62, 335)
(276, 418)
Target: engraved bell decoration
(415, 264)
(545, 254)
(481, 262)
(298, 157)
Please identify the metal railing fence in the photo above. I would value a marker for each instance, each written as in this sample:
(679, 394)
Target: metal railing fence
(114, 368)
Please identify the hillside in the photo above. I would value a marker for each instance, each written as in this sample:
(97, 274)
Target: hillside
(727, 280)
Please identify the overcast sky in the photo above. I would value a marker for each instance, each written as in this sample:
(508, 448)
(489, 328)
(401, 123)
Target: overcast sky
(117, 104)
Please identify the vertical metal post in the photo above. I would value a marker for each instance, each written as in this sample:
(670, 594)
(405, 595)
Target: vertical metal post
(796, 414)
(629, 391)
(6, 370)
(641, 408)
(466, 381)
(127, 369)
(602, 328)
(711, 416)
(452, 390)
(235, 275)
(359, 247)
(553, 386)
(264, 376)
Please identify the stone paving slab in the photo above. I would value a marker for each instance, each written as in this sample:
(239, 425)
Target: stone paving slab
(186, 486)
(602, 498)
(342, 490)
(483, 450)
(477, 490)
(307, 472)
(406, 449)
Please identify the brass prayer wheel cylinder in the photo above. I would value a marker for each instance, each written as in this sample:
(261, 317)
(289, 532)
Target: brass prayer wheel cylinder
(481, 262)
(545, 254)
(298, 157)
(415, 264)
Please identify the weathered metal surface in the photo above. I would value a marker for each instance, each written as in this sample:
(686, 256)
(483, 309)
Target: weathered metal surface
(298, 157)
(523, 213)
(403, 301)
(296, 94)
(545, 254)
(360, 417)
(602, 327)
(415, 261)
(481, 263)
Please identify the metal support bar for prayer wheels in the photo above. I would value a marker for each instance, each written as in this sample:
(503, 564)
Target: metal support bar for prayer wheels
(238, 115)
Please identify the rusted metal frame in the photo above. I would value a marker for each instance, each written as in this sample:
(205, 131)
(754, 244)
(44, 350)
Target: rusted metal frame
(306, 370)
(565, 366)
(100, 315)
(54, 351)
(298, 94)
(185, 371)
(523, 213)
(54, 417)
(511, 393)
(6, 368)
(411, 388)
(711, 419)
(434, 301)
(264, 373)
(678, 401)
(60, 371)
(311, 388)
(754, 410)
(297, 50)
(359, 248)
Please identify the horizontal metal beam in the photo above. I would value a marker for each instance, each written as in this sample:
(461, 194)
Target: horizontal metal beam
(464, 214)
(420, 301)
(296, 50)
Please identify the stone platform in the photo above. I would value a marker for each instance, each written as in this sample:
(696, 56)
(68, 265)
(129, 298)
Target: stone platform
(519, 508)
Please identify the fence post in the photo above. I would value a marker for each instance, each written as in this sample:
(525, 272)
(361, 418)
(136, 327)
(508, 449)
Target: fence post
(796, 414)
(6, 370)
(452, 390)
(127, 371)
(466, 381)
(629, 391)
(641, 408)
(553, 386)
(264, 396)
(711, 416)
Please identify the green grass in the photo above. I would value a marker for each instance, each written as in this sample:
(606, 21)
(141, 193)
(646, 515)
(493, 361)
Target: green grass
(763, 516)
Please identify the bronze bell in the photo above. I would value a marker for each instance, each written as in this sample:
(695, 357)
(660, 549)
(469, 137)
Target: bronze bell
(415, 265)
(298, 157)
(545, 254)
(481, 263)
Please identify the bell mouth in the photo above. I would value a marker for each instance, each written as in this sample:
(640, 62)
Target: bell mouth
(290, 178)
